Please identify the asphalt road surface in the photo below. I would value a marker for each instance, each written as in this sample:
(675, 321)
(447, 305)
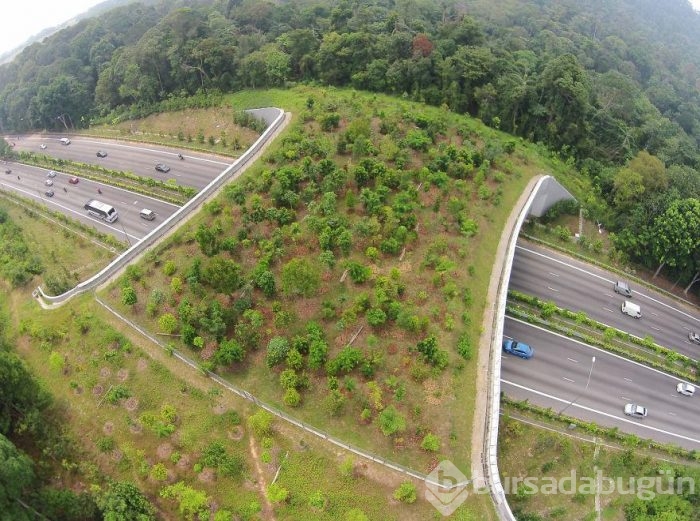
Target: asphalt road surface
(196, 170)
(29, 181)
(578, 286)
(557, 376)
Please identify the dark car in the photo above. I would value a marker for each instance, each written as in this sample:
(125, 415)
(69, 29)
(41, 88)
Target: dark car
(623, 288)
(162, 168)
(49, 193)
(101, 153)
(518, 349)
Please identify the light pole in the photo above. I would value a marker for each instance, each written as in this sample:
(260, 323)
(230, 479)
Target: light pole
(588, 382)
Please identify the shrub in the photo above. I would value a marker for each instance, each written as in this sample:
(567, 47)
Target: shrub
(358, 272)
(277, 350)
(406, 492)
(431, 443)
(292, 397)
(169, 268)
(277, 493)
(300, 278)
(464, 347)
(129, 297)
(167, 323)
(391, 421)
(376, 317)
(261, 423)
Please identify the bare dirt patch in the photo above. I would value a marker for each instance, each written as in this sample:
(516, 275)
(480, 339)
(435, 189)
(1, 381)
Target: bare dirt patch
(236, 434)
(98, 390)
(108, 428)
(219, 408)
(207, 475)
(141, 364)
(122, 374)
(135, 428)
(184, 461)
(117, 455)
(105, 372)
(164, 450)
(131, 404)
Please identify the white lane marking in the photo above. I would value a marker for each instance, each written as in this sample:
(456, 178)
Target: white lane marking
(574, 361)
(625, 398)
(655, 328)
(553, 274)
(608, 310)
(672, 413)
(607, 280)
(595, 411)
(552, 289)
(568, 379)
(628, 379)
(597, 349)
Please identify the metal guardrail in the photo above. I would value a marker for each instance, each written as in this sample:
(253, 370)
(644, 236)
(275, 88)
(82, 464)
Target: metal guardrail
(274, 116)
(491, 474)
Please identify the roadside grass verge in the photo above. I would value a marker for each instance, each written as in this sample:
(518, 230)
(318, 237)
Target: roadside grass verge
(69, 251)
(553, 456)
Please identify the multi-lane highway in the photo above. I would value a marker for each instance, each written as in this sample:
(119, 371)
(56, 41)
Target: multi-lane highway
(196, 170)
(29, 181)
(581, 287)
(559, 372)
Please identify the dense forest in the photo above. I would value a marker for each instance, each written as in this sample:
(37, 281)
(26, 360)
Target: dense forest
(611, 86)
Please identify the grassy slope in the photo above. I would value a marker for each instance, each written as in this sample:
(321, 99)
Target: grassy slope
(443, 398)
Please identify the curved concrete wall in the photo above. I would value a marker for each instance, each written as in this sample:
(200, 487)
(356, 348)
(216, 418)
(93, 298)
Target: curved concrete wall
(274, 116)
(545, 193)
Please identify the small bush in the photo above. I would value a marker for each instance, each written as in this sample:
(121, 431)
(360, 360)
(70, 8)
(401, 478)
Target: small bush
(406, 492)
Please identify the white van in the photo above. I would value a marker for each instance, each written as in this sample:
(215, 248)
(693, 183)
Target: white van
(633, 310)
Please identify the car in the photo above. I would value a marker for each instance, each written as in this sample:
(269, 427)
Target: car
(48, 182)
(636, 411)
(162, 167)
(685, 389)
(518, 349)
(623, 288)
(147, 214)
(51, 174)
(8, 171)
(694, 337)
(49, 193)
(42, 146)
(65, 141)
(101, 153)
(73, 180)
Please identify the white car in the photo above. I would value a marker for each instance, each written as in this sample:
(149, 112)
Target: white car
(51, 174)
(686, 389)
(632, 409)
(42, 146)
(48, 182)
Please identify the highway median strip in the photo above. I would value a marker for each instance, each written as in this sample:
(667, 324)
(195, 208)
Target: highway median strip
(578, 325)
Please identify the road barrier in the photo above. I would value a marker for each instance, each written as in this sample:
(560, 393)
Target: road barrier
(273, 116)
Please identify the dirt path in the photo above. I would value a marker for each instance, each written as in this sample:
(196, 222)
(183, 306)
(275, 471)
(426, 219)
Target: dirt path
(268, 512)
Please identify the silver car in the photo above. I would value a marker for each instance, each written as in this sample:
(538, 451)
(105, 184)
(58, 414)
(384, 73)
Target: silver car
(694, 337)
(623, 288)
(637, 411)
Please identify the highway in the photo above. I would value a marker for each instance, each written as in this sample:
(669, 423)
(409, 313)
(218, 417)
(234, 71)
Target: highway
(578, 286)
(196, 170)
(29, 181)
(558, 373)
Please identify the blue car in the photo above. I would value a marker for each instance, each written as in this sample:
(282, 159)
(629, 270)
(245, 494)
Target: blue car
(518, 349)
